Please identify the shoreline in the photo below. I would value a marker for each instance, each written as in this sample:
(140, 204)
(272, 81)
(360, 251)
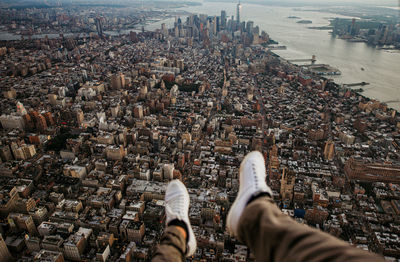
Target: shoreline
(372, 97)
(339, 86)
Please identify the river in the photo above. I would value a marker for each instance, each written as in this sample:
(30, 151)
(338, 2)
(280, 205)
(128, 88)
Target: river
(381, 68)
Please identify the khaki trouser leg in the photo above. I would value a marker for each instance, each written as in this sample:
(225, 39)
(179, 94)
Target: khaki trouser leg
(172, 246)
(274, 236)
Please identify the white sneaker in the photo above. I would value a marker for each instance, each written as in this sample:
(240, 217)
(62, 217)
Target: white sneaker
(251, 182)
(177, 207)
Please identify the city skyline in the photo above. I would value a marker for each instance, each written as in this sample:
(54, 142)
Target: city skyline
(100, 114)
(393, 3)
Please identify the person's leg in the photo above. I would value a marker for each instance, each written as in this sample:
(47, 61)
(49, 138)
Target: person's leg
(273, 236)
(172, 246)
(178, 239)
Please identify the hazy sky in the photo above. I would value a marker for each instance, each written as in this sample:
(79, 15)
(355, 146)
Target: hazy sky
(335, 2)
(392, 3)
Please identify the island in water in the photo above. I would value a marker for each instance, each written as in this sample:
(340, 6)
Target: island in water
(304, 22)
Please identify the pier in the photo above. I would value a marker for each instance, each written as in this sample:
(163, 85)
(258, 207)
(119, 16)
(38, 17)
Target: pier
(356, 84)
(279, 47)
(322, 69)
(312, 60)
(392, 101)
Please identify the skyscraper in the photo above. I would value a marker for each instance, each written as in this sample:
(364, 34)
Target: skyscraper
(223, 19)
(249, 27)
(214, 25)
(99, 26)
(238, 10)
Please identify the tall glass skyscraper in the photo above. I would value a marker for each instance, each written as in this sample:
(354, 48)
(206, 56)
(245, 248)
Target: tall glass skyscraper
(238, 10)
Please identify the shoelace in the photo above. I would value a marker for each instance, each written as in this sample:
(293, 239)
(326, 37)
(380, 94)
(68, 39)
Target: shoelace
(176, 204)
(255, 177)
(255, 174)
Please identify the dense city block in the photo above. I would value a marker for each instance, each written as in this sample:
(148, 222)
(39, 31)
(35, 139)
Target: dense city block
(94, 127)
